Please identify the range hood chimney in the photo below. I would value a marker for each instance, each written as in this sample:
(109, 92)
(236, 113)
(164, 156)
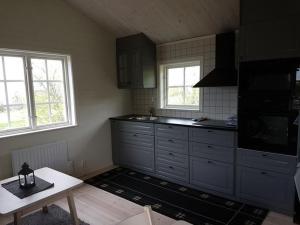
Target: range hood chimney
(224, 73)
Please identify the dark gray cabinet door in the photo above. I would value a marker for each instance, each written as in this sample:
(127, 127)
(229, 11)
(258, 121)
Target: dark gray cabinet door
(211, 175)
(172, 145)
(138, 157)
(269, 39)
(214, 152)
(172, 171)
(136, 62)
(211, 136)
(270, 189)
(171, 131)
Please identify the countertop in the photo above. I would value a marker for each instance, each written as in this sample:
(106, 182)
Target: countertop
(212, 124)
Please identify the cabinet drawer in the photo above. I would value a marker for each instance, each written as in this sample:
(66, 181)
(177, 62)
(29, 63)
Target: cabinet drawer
(171, 131)
(211, 175)
(137, 157)
(165, 157)
(172, 145)
(268, 188)
(171, 171)
(212, 152)
(136, 127)
(137, 139)
(211, 136)
(268, 161)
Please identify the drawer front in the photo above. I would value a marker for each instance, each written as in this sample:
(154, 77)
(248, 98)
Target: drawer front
(136, 139)
(136, 127)
(268, 188)
(211, 136)
(171, 171)
(268, 161)
(211, 175)
(171, 131)
(171, 158)
(137, 157)
(172, 145)
(220, 153)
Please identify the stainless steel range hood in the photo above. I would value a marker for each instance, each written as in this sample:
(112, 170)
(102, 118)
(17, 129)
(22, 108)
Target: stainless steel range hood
(225, 73)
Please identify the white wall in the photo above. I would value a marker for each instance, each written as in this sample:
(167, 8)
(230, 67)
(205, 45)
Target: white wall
(54, 26)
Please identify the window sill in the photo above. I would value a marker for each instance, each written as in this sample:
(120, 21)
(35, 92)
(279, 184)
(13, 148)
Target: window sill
(181, 109)
(26, 132)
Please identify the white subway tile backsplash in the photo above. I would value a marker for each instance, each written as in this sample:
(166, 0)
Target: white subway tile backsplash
(218, 102)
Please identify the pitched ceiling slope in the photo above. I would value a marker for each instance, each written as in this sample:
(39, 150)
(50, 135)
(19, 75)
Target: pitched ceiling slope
(162, 20)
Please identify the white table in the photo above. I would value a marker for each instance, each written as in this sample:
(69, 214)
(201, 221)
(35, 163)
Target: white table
(63, 187)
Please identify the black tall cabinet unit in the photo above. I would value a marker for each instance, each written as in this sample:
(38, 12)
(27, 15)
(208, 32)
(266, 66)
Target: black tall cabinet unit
(136, 62)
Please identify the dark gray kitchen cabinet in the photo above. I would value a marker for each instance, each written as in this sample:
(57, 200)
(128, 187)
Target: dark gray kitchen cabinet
(266, 188)
(211, 174)
(136, 62)
(269, 29)
(133, 145)
(266, 179)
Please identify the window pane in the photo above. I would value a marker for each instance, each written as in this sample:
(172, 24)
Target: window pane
(3, 118)
(42, 113)
(18, 116)
(191, 96)
(58, 113)
(56, 92)
(55, 69)
(175, 96)
(40, 92)
(192, 75)
(38, 69)
(14, 68)
(1, 69)
(175, 77)
(2, 94)
(16, 93)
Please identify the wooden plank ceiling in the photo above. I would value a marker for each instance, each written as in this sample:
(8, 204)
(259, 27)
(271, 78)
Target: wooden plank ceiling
(163, 20)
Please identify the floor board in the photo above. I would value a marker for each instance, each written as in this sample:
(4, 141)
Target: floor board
(98, 207)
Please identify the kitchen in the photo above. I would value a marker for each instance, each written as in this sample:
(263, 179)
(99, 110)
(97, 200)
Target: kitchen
(185, 111)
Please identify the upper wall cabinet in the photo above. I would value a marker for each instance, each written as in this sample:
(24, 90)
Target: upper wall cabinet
(269, 29)
(136, 62)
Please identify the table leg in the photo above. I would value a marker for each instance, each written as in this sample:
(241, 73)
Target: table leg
(72, 207)
(45, 209)
(17, 218)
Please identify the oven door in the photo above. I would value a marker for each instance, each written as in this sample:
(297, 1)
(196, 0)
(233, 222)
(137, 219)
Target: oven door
(268, 132)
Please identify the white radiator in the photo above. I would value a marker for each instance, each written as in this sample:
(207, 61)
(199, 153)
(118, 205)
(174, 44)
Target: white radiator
(53, 155)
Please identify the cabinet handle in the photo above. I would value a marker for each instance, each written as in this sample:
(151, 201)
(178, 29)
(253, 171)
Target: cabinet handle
(210, 162)
(170, 140)
(171, 167)
(264, 173)
(264, 155)
(170, 127)
(209, 131)
(209, 146)
(170, 153)
(135, 135)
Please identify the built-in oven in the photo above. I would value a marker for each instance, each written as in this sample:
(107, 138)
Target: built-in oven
(268, 132)
(269, 100)
(272, 85)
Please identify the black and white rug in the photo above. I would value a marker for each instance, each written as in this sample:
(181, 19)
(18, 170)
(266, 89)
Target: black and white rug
(55, 216)
(176, 201)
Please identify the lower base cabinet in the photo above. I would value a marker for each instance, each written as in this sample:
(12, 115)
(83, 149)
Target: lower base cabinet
(138, 157)
(269, 189)
(210, 174)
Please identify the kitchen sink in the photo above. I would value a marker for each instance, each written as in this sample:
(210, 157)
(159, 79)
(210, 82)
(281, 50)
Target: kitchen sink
(143, 118)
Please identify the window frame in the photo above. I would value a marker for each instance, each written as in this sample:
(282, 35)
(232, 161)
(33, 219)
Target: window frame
(69, 99)
(163, 91)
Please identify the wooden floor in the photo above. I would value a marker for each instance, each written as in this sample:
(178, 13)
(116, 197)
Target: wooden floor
(98, 207)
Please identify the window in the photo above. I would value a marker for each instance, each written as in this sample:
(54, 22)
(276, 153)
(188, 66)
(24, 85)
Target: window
(36, 92)
(177, 83)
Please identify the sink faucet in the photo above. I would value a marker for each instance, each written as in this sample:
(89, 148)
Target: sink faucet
(151, 111)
